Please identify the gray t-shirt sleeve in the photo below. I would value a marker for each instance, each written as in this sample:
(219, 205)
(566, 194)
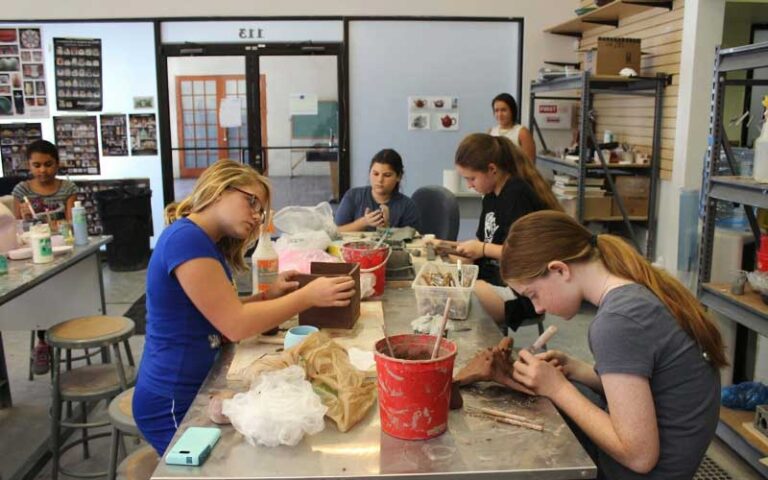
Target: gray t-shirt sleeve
(621, 345)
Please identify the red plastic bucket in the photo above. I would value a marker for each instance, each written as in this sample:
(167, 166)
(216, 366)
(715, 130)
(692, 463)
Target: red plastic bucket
(371, 260)
(414, 395)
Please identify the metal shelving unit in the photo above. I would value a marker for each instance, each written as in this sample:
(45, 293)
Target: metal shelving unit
(749, 309)
(589, 85)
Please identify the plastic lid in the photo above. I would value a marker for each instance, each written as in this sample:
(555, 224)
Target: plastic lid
(78, 204)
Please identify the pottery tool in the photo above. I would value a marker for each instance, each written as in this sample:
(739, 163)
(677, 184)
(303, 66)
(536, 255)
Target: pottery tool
(383, 237)
(458, 272)
(543, 339)
(503, 417)
(29, 205)
(442, 329)
(386, 339)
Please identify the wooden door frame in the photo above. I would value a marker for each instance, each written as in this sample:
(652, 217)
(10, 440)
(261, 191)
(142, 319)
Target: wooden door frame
(222, 134)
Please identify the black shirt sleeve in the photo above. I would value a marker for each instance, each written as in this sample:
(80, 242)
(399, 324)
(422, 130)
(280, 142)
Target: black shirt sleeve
(517, 310)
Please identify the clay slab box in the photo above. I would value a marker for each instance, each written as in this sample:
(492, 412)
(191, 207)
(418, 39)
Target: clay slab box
(332, 317)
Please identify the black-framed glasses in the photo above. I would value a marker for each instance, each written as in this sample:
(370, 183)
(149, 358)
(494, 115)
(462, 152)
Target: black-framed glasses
(254, 203)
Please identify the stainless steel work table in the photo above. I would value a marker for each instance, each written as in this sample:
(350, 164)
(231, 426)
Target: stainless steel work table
(472, 447)
(38, 296)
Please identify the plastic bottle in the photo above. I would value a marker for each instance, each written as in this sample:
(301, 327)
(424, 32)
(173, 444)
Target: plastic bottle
(264, 264)
(40, 241)
(760, 169)
(79, 224)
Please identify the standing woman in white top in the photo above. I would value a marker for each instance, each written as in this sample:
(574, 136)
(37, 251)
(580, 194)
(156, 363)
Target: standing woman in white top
(505, 112)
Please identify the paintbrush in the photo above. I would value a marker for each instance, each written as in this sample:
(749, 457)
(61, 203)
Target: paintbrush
(543, 339)
(442, 329)
(29, 205)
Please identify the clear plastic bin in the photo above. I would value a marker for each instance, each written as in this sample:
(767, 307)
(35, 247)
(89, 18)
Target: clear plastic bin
(431, 300)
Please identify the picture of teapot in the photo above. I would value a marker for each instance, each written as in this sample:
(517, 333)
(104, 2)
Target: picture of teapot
(420, 103)
(439, 103)
(448, 121)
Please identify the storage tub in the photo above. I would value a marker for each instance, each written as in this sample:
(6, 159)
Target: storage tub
(431, 300)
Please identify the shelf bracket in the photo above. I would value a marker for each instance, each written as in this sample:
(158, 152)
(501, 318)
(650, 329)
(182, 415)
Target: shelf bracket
(667, 5)
(611, 183)
(609, 23)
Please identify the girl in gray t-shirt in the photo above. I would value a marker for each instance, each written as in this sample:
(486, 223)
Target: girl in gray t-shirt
(657, 353)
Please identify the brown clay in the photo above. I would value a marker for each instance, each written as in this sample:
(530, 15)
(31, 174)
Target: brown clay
(214, 406)
(489, 365)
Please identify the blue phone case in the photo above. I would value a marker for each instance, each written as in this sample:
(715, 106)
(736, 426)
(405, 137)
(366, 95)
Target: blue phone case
(193, 447)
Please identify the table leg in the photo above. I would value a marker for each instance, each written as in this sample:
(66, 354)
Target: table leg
(5, 382)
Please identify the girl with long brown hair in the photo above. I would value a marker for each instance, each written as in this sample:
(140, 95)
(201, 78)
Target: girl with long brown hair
(511, 187)
(656, 351)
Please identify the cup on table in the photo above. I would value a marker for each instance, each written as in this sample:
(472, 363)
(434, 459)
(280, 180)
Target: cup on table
(296, 335)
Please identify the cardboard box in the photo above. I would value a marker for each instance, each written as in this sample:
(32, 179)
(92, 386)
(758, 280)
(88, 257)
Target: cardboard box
(332, 317)
(635, 206)
(613, 54)
(632, 186)
(594, 207)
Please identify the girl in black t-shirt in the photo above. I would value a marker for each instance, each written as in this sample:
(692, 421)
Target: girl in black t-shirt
(511, 188)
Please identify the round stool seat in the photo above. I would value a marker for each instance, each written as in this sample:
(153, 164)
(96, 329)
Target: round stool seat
(139, 465)
(90, 332)
(121, 413)
(93, 382)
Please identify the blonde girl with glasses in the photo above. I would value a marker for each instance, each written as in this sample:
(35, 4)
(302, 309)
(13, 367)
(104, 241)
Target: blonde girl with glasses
(191, 302)
(649, 405)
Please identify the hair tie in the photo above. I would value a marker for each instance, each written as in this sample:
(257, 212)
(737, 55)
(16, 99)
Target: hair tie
(593, 241)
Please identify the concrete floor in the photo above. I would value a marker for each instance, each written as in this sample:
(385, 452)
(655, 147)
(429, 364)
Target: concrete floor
(25, 427)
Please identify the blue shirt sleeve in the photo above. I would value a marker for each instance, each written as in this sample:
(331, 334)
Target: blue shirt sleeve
(188, 243)
(346, 211)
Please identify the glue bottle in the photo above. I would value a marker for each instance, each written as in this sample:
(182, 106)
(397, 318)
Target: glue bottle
(760, 171)
(79, 224)
(40, 241)
(264, 264)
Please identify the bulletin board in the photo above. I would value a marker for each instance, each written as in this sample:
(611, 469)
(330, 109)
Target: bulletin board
(318, 126)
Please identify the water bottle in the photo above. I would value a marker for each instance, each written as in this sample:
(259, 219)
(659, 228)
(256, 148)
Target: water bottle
(264, 264)
(79, 224)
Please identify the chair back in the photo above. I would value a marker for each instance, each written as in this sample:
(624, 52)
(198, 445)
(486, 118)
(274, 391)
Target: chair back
(439, 211)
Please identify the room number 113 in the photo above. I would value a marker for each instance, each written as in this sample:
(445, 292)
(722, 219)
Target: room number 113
(251, 33)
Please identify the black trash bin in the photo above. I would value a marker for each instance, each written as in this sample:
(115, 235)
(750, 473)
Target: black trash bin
(126, 214)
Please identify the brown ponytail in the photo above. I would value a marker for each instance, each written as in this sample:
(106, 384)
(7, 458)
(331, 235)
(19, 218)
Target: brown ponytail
(545, 236)
(479, 150)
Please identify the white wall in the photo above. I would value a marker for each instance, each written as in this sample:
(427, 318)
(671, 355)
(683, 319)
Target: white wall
(128, 69)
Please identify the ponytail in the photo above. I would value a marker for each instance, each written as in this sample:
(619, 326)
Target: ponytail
(541, 237)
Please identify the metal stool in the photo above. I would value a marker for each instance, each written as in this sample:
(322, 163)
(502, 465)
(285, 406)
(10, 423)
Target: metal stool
(121, 417)
(69, 358)
(90, 383)
(139, 465)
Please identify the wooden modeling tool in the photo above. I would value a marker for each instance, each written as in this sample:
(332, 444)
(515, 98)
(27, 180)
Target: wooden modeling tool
(442, 329)
(504, 417)
(543, 339)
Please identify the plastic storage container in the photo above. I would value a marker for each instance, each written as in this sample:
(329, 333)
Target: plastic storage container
(431, 300)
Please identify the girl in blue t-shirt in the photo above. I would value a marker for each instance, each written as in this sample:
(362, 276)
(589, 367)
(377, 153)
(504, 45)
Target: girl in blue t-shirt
(380, 204)
(192, 302)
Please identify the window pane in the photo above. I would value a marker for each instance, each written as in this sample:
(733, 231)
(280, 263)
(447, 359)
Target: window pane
(241, 86)
(199, 87)
(214, 156)
(210, 87)
(202, 160)
(200, 117)
(200, 132)
(186, 87)
(190, 160)
(189, 132)
(231, 87)
(212, 142)
(189, 143)
(186, 103)
(210, 102)
(188, 118)
(212, 120)
(199, 102)
(213, 132)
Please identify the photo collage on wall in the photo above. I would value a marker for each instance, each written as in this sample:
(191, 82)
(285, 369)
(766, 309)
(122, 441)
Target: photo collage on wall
(433, 113)
(14, 138)
(23, 93)
(78, 74)
(143, 134)
(114, 135)
(86, 189)
(77, 141)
